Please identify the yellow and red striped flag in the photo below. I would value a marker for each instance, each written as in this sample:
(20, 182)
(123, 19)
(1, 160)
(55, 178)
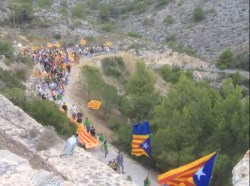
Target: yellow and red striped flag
(94, 104)
(183, 176)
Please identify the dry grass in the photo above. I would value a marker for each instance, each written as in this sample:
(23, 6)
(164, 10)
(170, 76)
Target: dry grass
(47, 139)
(33, 133)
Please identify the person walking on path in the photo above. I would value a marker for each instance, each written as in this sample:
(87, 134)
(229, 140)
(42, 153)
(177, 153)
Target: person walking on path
(105, 149)
(101, 139)
(147, 182)
(73, 112)
(119, 160)
(92, 132)
(87, 124)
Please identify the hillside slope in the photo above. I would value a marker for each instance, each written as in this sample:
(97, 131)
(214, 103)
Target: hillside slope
(225, 23)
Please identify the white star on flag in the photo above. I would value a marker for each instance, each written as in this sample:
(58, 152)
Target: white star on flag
(145, 145)
(199, 173)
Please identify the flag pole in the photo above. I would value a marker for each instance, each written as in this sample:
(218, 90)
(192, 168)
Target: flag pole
(214, 166)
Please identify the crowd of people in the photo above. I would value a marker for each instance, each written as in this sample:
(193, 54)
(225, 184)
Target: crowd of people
(57, 64)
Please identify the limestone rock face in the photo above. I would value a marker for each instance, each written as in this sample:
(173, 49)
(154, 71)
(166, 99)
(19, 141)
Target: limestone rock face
(16, 170)
(241, 172)
(79, 169)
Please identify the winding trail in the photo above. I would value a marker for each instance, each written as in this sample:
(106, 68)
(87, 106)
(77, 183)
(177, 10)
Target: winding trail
(132, 168)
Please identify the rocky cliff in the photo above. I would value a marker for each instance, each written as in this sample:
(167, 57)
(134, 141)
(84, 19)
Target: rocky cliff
(241, 172)
(78, 169)
(226, 23)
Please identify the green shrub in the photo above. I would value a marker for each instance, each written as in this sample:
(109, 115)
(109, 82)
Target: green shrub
(113, 122)
(23, 11)
(104, 13)
(21, 74)
(94, 4)
(64, 3)
(226, 58)
(44, 24)
(108, 27)
(44, 3)
(132, 34)
(89, 39)
(120, 62)
(10, 80)
(199, 14)
(112, 71)
(169, 20)
(6, 49)
(27, 61)
(222, 67)
(148, 22)
(57, 36)
(41, 110)
(125, 16)
(173, 37)
(162, 2)
(63, 11)
(78, 11)
(77, 23)
(108, 62)
(213, 11)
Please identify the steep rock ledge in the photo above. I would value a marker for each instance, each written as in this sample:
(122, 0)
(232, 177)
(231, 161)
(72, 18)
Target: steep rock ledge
(79, 168)
(241, 172)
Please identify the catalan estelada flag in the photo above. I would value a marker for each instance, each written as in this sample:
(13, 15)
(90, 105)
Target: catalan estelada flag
(55, 43)
(141, 143)
(81, 41)
(109, 44)
(49, 45)
(94, 104)
(197, 173)
(34, 48)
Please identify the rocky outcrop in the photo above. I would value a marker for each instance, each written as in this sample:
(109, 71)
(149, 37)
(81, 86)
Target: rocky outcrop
(241, 172)
(226, 25)
(15, 170)
(78, 169)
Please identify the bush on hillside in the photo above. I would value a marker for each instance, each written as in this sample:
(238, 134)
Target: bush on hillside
(78, 11)
(57, 36)
(133, 34)
(64, 3)
(10, 80)
(44, 3)
(44, 24)
(107, 61)
(104, 13)
(22, 74)
(45, 112)
(77, 23)
(6, 49)
(173, 37)
(108, 27)
(226, 58)
(112, 71)
(47, 139)
(23, 11)
(162, 2)
(199, 14)
(94, 4)
(169, 20)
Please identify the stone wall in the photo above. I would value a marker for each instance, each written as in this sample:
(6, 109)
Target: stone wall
(79, 168)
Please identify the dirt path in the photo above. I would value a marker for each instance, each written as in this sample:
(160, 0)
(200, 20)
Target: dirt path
(137, 172)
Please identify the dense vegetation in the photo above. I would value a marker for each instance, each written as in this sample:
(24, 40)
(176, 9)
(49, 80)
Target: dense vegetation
(191, 121)
(45, 112)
